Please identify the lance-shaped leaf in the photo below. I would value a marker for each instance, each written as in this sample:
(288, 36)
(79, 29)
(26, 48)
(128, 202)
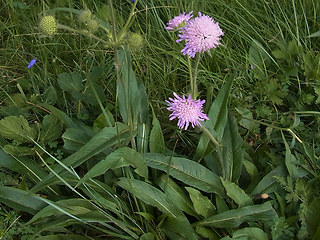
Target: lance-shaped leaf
(104, 139)
(122, 157)
(236, 193)
(187, 171)
(218, 115)
(156, 198)
(232, 152)
(21, 200)
(133, 101)
(233, 218)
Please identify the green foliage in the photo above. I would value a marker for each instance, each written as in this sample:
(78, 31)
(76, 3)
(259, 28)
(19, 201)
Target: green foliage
(75, 127)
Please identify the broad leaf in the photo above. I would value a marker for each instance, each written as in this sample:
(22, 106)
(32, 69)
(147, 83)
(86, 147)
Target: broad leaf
(250, 233)
(104, 139)
(156, 141)
(51, 129)
(133, 101)
(21, 200)
(232, 151)
(236, 193)
(187, 171)
(176, 221)
(218, 115)
(202, 205)
(17, 129)
(122, 157)
(233, 218)
(269, 182)
(175, 193)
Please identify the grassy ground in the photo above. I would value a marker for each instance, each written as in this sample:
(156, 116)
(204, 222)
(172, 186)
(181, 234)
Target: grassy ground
(274, 98)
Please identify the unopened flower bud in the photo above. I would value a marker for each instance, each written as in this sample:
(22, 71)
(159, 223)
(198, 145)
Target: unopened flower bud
(92, 25)
(85, 16)
(48, 25)
(135, 41)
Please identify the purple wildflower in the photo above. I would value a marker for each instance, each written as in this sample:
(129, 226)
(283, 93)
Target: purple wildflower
(186, 110)
(178, 21)
(201, 33)
(133, 1)
(32, 62)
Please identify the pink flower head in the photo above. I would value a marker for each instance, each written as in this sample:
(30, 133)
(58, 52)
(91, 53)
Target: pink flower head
(201, 33)
(178, 21)
(187, 111)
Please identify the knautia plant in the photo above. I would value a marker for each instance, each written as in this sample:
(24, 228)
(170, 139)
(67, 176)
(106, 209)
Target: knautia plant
(101, 152)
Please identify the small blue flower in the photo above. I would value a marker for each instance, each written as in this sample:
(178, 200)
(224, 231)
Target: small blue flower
(32, 62)
(133, 1)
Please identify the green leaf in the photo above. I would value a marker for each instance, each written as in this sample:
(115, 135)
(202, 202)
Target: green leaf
(236, 193)
(73, 206)
(247, 118)
(253, 172)
(156, 141)
(233, 218)
(133, 100)
(60, 115)
(187, 171)
(50, 95)
(151, 196)
(51, 129)
(72, 83)
(64, 237)
(175, 193)
(313, 218)
(75, 138)
(207, 233)
(104, 139)
(24, 166)
(17, 151)
(315, 34)
(232, 151)
(269, 182)
(218, 114)
(21, 200)
(154, 197)
(250, 233)
(17, 129)
(147, 236)
(122, 157)
(201, 204)
(101, 121)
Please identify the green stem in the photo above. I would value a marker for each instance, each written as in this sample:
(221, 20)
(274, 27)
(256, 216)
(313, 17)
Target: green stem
(132, 13)
(212, 138)
(194, 76)
(275, 127)
(113, 22)
(190, 75)
(100, 104)
(85, 33)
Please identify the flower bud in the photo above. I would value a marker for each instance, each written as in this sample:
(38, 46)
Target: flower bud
(48, 25)
(85, 16)
(135, 41)
(92, 25)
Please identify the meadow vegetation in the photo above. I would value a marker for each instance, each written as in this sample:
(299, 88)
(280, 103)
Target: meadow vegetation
(87, 147)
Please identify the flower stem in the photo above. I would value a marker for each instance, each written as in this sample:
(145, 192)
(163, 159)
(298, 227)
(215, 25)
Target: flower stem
(212, 138)
(194, 77)
(83, 32)
(132, 13)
